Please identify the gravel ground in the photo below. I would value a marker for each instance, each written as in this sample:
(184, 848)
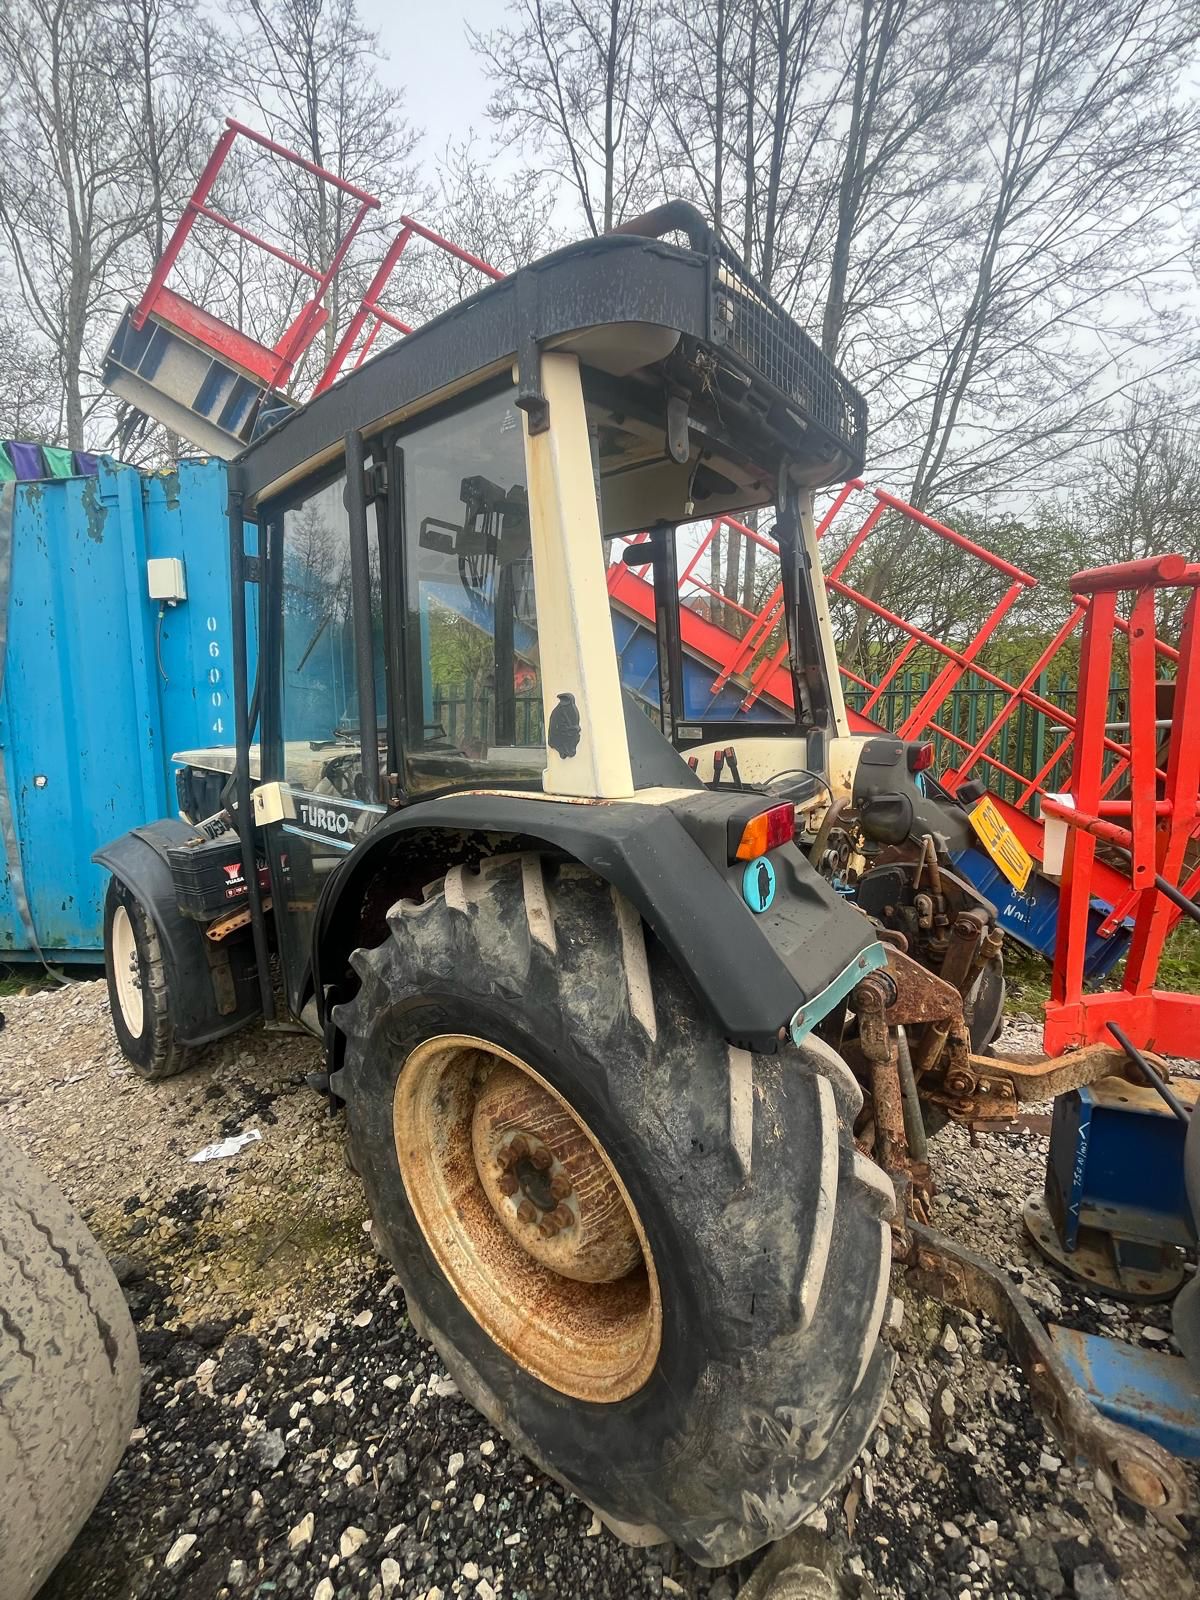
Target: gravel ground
(297, 1438)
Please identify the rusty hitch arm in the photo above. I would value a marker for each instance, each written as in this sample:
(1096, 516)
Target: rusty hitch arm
(946, 1270)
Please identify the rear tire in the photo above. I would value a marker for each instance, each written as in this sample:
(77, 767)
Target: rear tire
(68, 1375)
(137, 987)
(766, 1229)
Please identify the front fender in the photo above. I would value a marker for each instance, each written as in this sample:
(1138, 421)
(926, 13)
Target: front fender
(212, 990)
(753, 973)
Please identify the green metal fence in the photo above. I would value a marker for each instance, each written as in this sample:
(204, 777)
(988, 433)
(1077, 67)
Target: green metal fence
(1025, 742)
(466, 712)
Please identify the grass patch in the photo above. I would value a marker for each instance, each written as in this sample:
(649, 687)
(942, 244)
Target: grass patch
(30, 977)
(24, 980)
(1028, 975)
(1179, 969)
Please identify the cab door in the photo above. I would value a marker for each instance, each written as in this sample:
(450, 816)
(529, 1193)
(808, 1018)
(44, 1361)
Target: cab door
(327, 757)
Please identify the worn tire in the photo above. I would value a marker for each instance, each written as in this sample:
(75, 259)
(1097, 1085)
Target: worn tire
(770, 1239)
(148, 1043)
(68, 1375)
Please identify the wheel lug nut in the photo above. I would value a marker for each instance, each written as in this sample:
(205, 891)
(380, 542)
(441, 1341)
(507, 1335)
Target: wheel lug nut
(527, 1211)
(560, 1186)
(518, 1147)
(563, 1216)
(541, 1158)
(548, 1227)
(508, 1184)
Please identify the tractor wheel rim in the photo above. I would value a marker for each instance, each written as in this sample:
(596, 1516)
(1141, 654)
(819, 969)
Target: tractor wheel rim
(527, 1218)
(127, 972)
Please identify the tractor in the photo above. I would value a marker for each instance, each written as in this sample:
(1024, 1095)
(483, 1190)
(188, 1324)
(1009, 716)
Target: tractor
(625, 1001)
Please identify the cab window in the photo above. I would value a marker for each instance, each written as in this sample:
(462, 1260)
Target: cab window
(475, 700)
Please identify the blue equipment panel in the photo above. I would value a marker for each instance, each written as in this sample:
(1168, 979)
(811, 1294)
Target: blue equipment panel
(1030, 915)
(1116, 1164)
(637, 662)
(1144, 1389)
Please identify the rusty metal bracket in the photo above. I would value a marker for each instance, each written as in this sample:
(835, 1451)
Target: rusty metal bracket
(231, 922)
(946, 1270)
(879, 1043)
(921, 996)
(992, 1088)
(1035, 1079)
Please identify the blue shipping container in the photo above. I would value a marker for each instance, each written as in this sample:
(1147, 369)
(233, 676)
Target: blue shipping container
(100, 684)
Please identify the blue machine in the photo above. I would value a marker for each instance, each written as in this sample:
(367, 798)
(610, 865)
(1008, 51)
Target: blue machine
(637, 661)
(1119, 1214)
(1144, 1389)
(99, 683)
(1115, 1211)
(1030, 915)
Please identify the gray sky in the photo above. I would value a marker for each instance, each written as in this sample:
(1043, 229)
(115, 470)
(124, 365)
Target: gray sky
(430, 59)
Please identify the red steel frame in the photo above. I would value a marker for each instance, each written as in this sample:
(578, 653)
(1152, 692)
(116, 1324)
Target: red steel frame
(751, 660)
(957, 758)
(371, 307)
(272, 367)
(1157, 822)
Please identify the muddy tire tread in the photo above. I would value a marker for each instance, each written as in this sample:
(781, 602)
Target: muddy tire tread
(825, 1311)
(163, 1056)
(68, 1374)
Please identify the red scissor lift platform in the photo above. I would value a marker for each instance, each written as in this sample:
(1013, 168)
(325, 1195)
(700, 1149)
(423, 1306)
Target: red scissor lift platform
(214, 384)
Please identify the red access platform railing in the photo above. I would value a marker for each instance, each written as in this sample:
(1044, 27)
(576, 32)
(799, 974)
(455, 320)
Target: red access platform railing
(1153, 826)
(274, 365)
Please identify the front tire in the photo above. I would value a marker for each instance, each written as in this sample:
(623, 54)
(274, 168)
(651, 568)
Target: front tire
(138, 995)
(752, 1370)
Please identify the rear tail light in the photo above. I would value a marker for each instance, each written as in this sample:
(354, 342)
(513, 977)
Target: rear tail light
(920, 756)
(767, 831)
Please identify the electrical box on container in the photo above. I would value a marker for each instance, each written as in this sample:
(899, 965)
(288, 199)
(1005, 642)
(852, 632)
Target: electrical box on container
(165, 578)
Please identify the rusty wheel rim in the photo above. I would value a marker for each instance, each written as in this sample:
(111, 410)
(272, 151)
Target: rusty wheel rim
(527, 1217)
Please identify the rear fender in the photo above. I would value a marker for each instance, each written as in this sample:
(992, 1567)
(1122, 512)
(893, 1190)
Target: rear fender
(753, 973)
(212, 989)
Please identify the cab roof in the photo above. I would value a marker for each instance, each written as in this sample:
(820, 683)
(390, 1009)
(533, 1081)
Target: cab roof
(627, 305)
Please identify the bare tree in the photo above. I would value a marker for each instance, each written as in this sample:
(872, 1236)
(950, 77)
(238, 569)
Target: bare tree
(164, 58)
(307, 71)
(569, 77)
(1074, 218)
(885, 162)
(505, 222)
(698, 53)
(163, 62)
(1093, 149)
(72, 191)
(30, 395)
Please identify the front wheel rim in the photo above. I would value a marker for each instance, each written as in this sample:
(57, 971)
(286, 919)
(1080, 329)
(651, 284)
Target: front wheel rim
(527, 1218)
(127, 974)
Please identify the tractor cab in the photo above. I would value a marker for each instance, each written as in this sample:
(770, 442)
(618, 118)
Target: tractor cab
(480, 536)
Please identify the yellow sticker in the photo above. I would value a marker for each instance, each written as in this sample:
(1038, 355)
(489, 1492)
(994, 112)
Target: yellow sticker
(1001, 843)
